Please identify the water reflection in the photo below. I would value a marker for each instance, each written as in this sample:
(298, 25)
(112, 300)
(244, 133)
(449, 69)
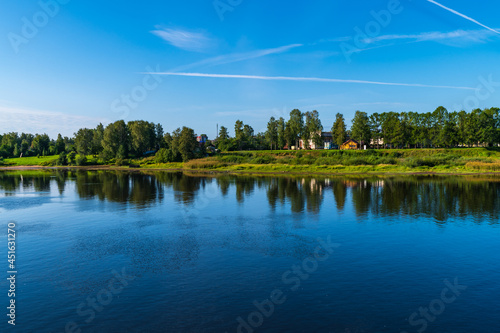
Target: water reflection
(440, 198)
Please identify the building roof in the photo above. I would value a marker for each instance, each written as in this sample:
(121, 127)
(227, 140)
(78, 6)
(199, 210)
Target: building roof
(351, 140)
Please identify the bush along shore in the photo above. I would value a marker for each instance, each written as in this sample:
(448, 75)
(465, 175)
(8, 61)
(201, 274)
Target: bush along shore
(460, 160)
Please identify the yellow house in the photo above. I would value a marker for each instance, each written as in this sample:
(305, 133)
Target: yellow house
(350, 144)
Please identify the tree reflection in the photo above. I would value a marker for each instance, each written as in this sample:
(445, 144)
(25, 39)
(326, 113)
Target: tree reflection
(440, 198)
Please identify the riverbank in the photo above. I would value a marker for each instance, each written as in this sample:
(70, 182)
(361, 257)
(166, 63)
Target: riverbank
(266, 170)
(467, 161)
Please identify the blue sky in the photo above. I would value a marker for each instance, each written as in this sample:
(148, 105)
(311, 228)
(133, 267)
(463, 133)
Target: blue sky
(71, 64)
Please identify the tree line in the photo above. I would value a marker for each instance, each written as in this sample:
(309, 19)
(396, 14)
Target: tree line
(118, 140)
(437, 129)
(121, 140)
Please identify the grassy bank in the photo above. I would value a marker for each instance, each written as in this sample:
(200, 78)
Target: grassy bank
(473, 160)
(445, 161)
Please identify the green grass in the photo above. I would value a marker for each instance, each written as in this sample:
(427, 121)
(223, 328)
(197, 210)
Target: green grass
(446, 161)
(29, 161)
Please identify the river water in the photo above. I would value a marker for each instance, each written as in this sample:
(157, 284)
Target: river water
(170, 252)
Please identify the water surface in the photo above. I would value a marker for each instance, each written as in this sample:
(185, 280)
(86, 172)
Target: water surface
(206, 254)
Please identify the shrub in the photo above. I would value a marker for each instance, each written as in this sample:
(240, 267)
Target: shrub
(71, 157)
(233, 158)
(308, 160)
(81, 160)
(285, 160)
(49, 163)
(93, 161)
(328, 161)
(166, 156)
(386, 160)
(483, 166)
(122, 162)
(356, 161)
(414, 162)
(331, 153)
(204, 164)
(263, 159)
(395, 154)
(62, 160)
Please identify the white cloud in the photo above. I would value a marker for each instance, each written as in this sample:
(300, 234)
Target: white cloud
(476, 36)
(16, 119)
(184, 39)
(235, 57)
(309, 79)
(463, 16)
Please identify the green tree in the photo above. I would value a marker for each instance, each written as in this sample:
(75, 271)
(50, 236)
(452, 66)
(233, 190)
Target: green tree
(295, 126)
(115, 141)
(361, 128)
(450, 130)
(238, 130)
(24, 147)
(83, 141)
(375, 129)
(272, 133)
(142, 137)
(312, 129)
(97, 140)
(462, 127)
(488, 124)
(165, 155)
(40, 144)
(401, 133)
(62, 160)
(159, 143)
(473, 127)
(339, 133)
(392, 129)
(439, 117)
(185, 142)
(223, 133)
(167, 140)
(281, 133)
(71, 157)
(59, 146)
(248, 137)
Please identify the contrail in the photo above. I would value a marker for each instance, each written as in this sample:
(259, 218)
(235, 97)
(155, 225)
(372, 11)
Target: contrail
(311, 79)
(464, 16)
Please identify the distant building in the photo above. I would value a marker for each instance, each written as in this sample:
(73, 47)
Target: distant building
(350, 144)
(202, 138)
(378, 143)
(326, 142)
